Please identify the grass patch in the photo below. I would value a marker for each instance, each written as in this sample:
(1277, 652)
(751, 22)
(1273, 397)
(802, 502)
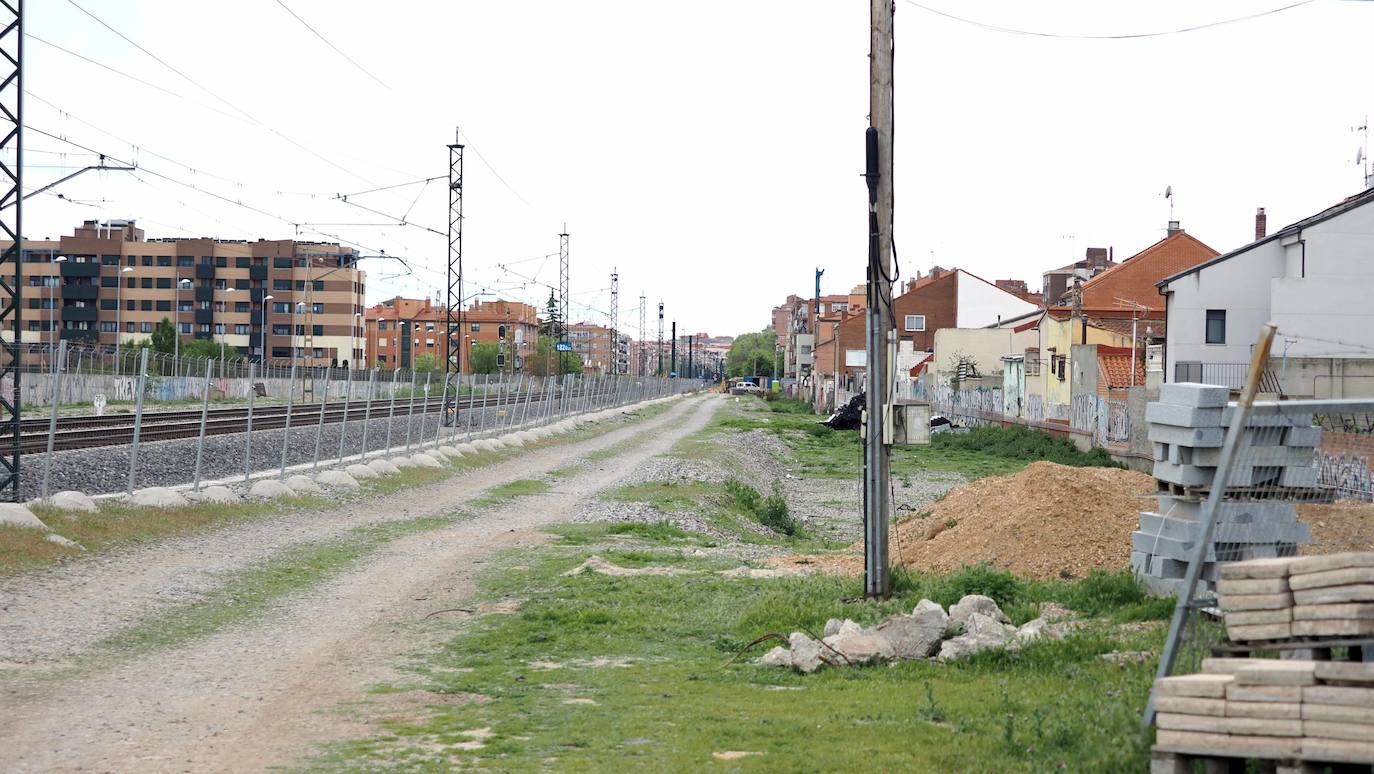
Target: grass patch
(659, 532)
(669, 703)
(523, 487)
(117, 524)
(249, 592)
(770, 511)
(1022, 443)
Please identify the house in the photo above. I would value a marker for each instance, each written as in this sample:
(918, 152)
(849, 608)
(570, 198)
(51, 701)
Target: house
(1056, 283)
(1312, 279)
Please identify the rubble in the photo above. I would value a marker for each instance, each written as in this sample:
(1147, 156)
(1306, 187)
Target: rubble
(928, 631)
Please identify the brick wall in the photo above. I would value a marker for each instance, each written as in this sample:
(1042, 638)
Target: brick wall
(938, 300)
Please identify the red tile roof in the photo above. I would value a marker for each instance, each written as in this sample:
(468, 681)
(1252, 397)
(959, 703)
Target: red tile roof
(1135, 278)
(1114, 367)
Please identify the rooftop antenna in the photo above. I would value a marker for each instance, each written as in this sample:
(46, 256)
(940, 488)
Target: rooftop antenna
(1362, 155)
(1169, 194)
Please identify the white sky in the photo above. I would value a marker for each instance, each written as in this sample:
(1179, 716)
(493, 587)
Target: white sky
(710, 150)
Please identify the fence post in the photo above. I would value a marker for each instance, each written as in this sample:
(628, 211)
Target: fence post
(138, 420)
(59, 364)
(348, 396)
(286, 434)
(443, 407)
(410, 407)
(367, 411)
(248, 436)
(204, 414)
(391, 412)
(482, 413)
(319, 429)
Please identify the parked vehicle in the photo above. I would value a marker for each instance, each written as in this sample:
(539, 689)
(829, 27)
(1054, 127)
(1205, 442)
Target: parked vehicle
(745, 388)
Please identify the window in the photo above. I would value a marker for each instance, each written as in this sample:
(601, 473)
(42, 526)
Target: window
(319, 352)
(317, 284)
(281, 284)
(242, 262)
(146, 305)
(282, 352)
(476, 327)
(164, 282)
(111, 281)
(317, 308)
(300, 285)
(381, 359)
(317, 330)
(915, 322)
(219, 306)
(108, 327)
(806, 349)
(1216, 326)
(146, 260)
(383, 342)
(205, 327)
(129, 305)
(145, 327)
(281, 330)
(221, 284)
(281, 263)
(109, 304)
(129, 282)
(184, 306)
(222, 262)
(381, 325)
(1187, 372)
(184, 328)
(109, 260)
(281, 307)
(128, 327)
(186, 260)
(240, 306)
(146, 282)
(300, 330)
(1032, 362)
(240, 328)
(219, 328)
(204, 305)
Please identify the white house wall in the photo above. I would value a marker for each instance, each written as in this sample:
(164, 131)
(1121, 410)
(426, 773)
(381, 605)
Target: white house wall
(982, 304)
(1241, 287)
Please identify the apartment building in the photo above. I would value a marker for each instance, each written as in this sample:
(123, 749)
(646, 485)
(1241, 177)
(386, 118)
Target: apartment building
(592, 343)
(279, 299)
(400, 330)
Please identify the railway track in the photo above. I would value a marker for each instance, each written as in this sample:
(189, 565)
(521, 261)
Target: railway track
(118, 429)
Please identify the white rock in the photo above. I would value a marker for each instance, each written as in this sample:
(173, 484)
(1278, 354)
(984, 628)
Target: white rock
(849, 628)
(980, 633)
(401, 461)
(219, 495)
(777, 657)
(511, 441)
(303, 485)
(960, 611)
(467, 449)
(72, 501)
(805, 654)
(158, 497)
(269, 489)
(383, 468)
(425, 461)
(53, 537)
(917, 635)
(338, 479)
(832, 627)
(450, 452)
(857, 646)
(16, 515)
(360, 471)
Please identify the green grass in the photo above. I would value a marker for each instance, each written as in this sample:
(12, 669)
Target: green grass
(500, 494)
(674, 701)
(1022, 443)
(251, 591)
(770, 511)
(661, 532)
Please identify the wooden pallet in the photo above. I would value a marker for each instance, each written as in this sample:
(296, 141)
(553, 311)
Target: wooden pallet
(1173, 762)
(1357, 648)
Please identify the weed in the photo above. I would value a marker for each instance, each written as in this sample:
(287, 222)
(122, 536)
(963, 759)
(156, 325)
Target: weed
(772, 511)
(931, 711)
(1022, 443)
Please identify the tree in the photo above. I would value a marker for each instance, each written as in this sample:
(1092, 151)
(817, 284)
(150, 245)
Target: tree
(753, 354)
(426, 363)
(548, 361)
(552, 326)
(204, 348)
(482, 357)
(164, 337)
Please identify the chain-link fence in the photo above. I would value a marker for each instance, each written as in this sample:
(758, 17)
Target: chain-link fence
(103, 423)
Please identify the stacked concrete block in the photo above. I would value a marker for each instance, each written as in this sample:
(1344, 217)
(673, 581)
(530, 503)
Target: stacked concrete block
(1319, 711)
(1187, 429)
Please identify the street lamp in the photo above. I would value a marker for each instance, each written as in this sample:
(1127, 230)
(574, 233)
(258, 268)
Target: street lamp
(176, 321)
(262, 358)
(52, 301)
(353, 340)
(119, 311)
(299, 308)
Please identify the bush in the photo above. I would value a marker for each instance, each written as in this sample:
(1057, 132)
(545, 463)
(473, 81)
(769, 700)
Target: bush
(772, 511)
(1023, 443)
(745, 496)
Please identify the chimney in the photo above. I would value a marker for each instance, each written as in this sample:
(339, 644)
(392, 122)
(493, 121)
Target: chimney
(1095, 259)
(1174, 228)
(1260, 224)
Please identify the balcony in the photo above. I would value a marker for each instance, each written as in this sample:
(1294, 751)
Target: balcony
(80, 292)
(77, 334)
(205, 293)
(70, 269)
(257, 272)
(205, 271)
(204, 316)
(80, 313)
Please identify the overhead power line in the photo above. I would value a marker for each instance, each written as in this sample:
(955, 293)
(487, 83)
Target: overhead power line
(1126, 36)
(326, 41)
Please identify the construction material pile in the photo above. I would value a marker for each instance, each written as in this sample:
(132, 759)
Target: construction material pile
(1311, 596)
(1187, 429)
(1047, 521)
(1268, 708)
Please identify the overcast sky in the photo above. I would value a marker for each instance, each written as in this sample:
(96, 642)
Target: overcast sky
(710, 151)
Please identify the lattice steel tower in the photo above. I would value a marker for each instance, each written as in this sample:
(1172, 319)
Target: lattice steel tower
(615, 322)
(11, 227)
(658, 348)
(563, 282)
(453, 313)
(643, 361)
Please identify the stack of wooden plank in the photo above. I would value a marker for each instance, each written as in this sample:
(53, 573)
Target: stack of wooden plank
(1311, 596)
(1269, 708)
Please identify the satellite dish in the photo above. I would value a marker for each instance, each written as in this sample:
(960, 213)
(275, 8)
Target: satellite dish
(1168, 191)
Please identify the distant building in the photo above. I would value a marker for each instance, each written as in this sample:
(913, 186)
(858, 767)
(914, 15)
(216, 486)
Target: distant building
(401, 329)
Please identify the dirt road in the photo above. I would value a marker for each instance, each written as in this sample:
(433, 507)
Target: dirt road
(262, 693)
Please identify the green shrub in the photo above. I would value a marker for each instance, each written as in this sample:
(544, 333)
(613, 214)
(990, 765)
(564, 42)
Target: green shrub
(1023, 443)
(772, 511)
(745, 496)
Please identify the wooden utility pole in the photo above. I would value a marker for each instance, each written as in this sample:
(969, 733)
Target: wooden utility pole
(879, 328)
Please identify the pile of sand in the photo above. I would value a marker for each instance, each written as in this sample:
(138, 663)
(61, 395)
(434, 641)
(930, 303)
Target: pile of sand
(1047, 521)
(1345, 525)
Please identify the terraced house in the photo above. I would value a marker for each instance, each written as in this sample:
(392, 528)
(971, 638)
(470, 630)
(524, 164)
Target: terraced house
(276, 299)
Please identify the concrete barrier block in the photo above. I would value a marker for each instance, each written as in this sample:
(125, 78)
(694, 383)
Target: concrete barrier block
(1182, 416)
(1194, 394)
(1195, 437)
(1279, 456)
(1302, 436)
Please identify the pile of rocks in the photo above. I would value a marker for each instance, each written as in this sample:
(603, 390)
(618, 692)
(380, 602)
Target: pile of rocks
(974, 623)
(1188, 427)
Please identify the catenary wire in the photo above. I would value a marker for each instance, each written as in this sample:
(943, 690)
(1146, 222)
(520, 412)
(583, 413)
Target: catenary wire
(1126, 36)
(327, 42)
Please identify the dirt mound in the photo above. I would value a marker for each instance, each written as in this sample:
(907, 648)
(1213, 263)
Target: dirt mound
(1345, 525)
(1047, 521)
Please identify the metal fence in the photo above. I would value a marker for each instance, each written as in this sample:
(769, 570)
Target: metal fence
(249, 419)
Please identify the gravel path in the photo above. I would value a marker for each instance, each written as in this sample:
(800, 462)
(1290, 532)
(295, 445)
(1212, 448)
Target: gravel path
(256, 695)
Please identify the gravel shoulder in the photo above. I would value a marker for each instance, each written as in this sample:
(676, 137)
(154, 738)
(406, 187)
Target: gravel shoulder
(256, 695)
